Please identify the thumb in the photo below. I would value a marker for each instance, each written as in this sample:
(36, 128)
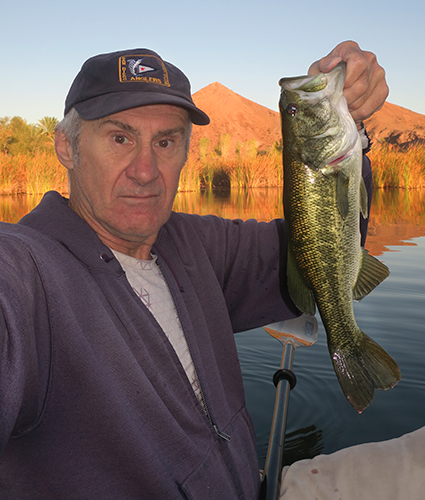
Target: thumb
(324, 65)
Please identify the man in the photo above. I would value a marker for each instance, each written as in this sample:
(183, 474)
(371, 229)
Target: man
(119, 375)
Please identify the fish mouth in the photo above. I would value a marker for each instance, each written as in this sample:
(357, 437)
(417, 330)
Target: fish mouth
(312, 88)
(339, 137)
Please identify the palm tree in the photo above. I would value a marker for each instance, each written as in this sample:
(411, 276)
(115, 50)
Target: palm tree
(48, 125)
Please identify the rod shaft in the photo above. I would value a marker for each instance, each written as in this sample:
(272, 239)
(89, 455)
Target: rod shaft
(273, 466)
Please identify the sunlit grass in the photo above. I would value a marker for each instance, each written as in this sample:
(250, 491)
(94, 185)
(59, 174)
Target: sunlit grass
(392, 168)
(31, 174)
(398, 167)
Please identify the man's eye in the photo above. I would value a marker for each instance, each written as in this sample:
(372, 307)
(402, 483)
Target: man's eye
(120, 139)
(164, 143)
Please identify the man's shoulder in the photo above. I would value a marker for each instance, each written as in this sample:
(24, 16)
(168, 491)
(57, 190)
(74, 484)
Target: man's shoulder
(18, 241)
(16, 231)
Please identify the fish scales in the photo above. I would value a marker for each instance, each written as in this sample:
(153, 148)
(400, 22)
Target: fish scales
(324, 195)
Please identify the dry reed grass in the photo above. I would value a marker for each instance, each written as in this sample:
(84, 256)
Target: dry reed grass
(31, 174)
(395, 167)
(37, 173)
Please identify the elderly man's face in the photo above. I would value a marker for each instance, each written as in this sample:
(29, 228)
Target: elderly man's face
(125, 183)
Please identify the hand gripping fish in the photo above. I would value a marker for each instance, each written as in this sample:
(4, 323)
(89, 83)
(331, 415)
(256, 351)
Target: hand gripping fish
(324, 194)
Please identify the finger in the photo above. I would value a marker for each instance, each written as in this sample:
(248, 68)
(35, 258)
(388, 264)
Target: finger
(367, 94)
(364, 108)
(346, 51)
(324, 65)
(358, 91)
(358, 63)
(365, 88)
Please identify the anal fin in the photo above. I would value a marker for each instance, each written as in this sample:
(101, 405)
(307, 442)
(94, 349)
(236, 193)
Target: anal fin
(371, 273)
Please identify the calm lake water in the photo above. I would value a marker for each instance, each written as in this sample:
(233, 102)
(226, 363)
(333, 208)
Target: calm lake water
(320, 419)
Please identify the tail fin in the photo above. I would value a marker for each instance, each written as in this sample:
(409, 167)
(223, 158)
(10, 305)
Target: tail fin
(362, 370)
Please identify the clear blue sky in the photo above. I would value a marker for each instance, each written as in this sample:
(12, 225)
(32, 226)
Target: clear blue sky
(245, 45)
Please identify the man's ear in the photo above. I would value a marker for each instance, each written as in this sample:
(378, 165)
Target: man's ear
(64, 150)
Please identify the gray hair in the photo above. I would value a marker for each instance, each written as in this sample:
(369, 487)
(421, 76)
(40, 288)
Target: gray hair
(71, 126)
(189, 135)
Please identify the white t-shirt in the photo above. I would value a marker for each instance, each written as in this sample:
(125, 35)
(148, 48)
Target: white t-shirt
(149, 284)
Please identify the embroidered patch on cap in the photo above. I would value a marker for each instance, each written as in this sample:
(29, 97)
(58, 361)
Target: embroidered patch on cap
(143, 68)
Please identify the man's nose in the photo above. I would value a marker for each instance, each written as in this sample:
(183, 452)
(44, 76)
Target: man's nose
(143, 168)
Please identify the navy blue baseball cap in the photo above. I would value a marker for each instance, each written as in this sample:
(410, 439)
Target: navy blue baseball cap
(109, 83)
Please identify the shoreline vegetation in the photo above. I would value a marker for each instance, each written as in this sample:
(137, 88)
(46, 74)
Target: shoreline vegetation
(28, 163)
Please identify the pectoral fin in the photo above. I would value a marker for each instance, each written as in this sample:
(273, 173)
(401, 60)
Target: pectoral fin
(371, 273)
(342, 193)
(342, 183)
(302, 296)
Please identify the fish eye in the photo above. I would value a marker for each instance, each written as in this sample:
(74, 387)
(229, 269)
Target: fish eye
(292, 109)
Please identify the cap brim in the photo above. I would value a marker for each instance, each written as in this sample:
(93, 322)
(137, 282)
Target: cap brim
(108, 104)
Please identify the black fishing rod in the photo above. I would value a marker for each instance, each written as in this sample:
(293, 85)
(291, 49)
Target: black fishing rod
(301, 331)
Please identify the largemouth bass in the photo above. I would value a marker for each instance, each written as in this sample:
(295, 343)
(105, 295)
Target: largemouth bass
(324, 195)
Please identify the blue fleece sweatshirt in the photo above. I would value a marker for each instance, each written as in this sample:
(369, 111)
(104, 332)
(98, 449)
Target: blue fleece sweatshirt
(93, 400)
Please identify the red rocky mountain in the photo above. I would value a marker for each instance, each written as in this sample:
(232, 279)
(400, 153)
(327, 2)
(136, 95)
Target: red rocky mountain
(244, 120)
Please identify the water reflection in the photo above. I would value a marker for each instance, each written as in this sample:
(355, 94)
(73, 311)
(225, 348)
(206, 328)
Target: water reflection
(397, 216)
(13, 208)
(303, 443)
(263, 204)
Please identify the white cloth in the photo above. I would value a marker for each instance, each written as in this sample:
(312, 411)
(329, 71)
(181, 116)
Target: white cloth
(363, 138)
(149, 284)
(389, 470)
